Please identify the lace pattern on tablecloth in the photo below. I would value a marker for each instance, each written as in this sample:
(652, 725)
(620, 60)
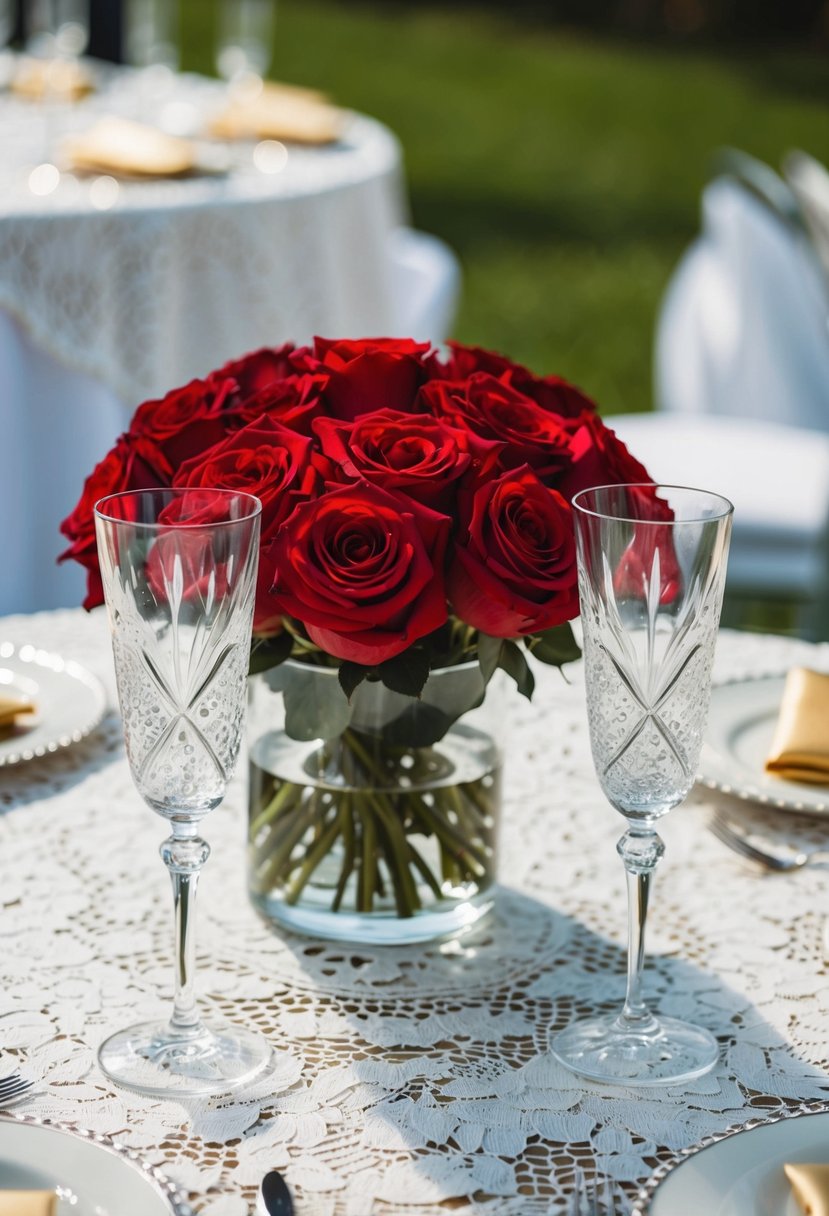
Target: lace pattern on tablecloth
(414, 1080)
(125, 294)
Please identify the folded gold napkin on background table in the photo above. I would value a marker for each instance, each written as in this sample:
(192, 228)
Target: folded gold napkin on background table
(13, 704)
(810, 1187)
(51, 80)
(129, 149)
(283, 112)
(800, 747)
(28, 1203)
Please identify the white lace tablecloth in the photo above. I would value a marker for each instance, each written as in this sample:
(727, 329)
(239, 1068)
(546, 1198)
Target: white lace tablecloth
(410, 1080)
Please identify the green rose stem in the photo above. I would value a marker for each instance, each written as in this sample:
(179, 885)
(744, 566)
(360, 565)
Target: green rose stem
(424, 870)
(283, 798)
(397, 856)
(349, 853)
(368, 862)
(321, 849)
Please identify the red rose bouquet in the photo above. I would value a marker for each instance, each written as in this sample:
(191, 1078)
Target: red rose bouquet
(415, 518)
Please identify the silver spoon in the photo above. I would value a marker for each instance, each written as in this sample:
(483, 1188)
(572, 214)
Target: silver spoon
(274, 1196)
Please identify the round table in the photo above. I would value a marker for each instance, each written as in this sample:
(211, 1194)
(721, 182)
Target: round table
(417, 1079)
(112, 293)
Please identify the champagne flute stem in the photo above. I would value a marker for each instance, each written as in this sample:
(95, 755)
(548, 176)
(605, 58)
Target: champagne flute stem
(641, 851)
(184, 857)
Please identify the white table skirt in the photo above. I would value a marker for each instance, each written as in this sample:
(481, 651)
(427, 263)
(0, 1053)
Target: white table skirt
(55, 425)
(101, 309)
(407, 1077)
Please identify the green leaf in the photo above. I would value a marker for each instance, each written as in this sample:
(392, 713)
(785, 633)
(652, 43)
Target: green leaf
(423, 722)
(315, 708)
(419, 726)
(489, 655)
(555, 646)
(406, 673)
(269, 652)
(515, 665)
(351, 676)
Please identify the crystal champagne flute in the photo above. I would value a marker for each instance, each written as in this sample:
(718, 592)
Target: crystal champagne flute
(179, 575)
(58, 28)
(652, 562)
(57, 34)
(243, 52)
(152, 37)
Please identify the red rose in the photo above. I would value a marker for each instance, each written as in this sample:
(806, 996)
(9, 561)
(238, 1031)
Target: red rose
(550, 392)
(410, 454)
(133, 464)
(600, 459)
(262, 459)
(371, 374)
(514, 569)
(495, 410)
(187, 420)
(262, 368)
(267, 613)
(274, 464)
(293, 402)
(191, 551)
(649, 538)
(363, 571)
(632, 576)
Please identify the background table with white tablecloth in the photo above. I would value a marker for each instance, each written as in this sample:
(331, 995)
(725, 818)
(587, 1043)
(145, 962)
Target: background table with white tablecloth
(111, 293)
(419, 1078)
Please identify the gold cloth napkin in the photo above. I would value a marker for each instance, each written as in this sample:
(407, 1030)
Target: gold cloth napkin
(810, 1187)
(51, 79)
(10, 707)
(284, 112)
(800, 747)
(28, 1203)
(129, 149)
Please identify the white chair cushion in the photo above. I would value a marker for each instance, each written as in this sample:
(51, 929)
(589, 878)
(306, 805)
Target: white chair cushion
(776, 476)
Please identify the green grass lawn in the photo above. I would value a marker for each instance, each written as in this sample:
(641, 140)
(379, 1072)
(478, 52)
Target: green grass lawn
(564, 170)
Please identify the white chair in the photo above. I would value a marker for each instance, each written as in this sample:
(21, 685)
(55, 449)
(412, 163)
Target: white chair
(742, 384)
(425, 286)
(809, 181)
(778, 479)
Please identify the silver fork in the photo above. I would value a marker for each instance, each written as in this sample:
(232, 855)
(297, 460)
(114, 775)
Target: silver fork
(780, 863)
(602, 1198)
(13, 1087)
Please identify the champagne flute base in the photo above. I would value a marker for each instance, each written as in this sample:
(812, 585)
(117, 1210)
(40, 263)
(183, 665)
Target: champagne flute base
(671, 1052)
(220, 1059)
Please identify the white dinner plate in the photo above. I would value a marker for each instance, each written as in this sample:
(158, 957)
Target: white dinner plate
(91, 1175)
(740, 1172)
(741, 722)
(70, 702)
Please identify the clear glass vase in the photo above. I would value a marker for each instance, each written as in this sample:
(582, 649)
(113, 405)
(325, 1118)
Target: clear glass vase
(384, 830)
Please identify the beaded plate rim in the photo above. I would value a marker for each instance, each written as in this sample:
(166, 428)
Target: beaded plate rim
(57, 664)
(642, 1204)
(164, 1186)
